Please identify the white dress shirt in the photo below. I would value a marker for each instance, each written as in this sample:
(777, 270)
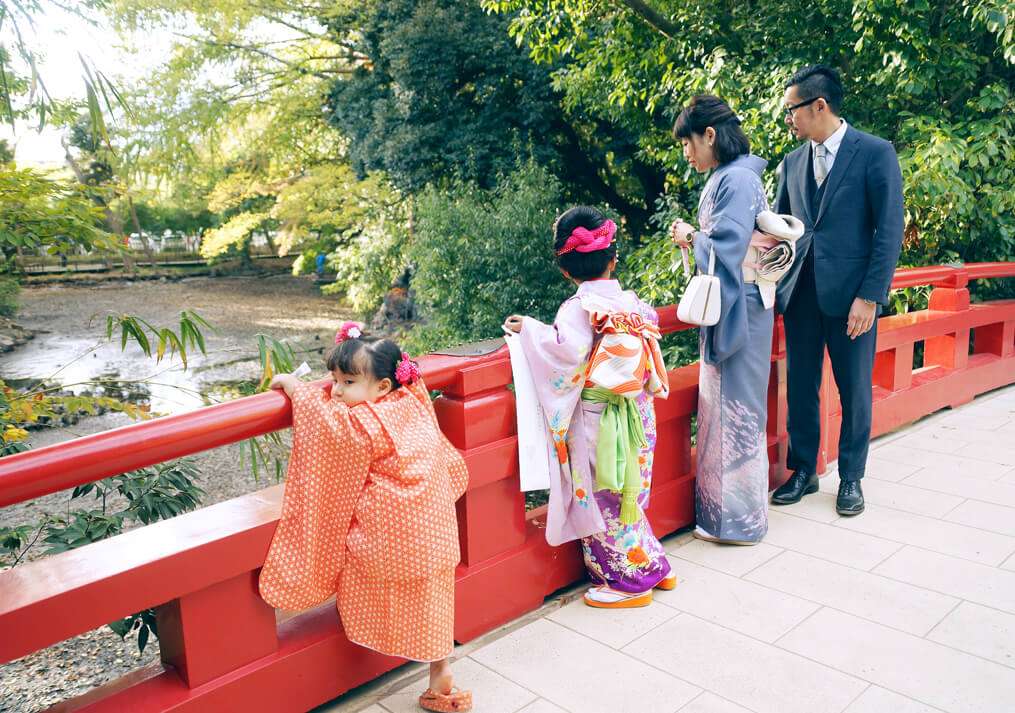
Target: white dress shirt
(832, 144)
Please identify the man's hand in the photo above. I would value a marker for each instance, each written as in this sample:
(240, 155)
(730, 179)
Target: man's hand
(861, 317)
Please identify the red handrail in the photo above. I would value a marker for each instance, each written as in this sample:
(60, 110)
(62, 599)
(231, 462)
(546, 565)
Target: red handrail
(35, 473)
(32, 474)
(951, 276)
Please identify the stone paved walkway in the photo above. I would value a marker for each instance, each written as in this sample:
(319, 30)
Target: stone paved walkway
(908, 608)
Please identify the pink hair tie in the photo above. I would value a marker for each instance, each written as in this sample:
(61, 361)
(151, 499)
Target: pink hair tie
(584, 240)
(407, 372)
(348, 330)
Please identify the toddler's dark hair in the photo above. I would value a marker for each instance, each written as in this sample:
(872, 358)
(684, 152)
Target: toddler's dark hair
(581, 266)
(376, 356)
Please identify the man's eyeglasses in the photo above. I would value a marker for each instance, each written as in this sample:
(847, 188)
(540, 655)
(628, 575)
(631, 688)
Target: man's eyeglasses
(790, 109)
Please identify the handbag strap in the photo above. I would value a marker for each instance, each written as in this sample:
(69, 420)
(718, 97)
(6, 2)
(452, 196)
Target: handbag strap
(687, 265)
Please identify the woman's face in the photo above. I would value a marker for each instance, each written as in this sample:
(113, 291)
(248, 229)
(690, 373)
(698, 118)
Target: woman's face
(699, 152)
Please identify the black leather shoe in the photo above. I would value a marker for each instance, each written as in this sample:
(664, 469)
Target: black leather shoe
(850, 499)
(798, 485)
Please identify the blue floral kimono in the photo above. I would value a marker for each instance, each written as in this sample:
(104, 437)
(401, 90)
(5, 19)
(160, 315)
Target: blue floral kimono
(732, 475)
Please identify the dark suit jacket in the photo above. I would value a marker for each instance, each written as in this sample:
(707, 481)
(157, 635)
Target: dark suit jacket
(856, 233)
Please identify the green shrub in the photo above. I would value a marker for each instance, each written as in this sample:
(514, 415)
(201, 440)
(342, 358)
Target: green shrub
(480, 255)
(8, 296)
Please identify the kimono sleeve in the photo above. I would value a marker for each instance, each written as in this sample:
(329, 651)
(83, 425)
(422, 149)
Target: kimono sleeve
(558, 355)
(459, 474)
(733, 215)
(328, 467)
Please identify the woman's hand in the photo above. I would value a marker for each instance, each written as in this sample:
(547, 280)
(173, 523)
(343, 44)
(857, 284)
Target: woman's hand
(680, 233)
(513, 323)
(285, 382)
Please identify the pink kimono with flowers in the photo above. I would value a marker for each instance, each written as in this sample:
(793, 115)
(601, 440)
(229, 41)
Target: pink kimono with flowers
(626, 557)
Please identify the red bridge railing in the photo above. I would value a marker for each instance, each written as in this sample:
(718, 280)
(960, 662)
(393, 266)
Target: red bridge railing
(223, 648)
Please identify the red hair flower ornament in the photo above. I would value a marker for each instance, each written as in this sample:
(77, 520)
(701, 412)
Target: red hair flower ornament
(407, 372)
(348, 330)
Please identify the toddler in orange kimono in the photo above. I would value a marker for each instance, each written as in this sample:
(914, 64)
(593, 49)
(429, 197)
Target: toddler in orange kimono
(369, 509)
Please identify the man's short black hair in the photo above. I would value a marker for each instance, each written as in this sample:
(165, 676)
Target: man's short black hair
(817, 80)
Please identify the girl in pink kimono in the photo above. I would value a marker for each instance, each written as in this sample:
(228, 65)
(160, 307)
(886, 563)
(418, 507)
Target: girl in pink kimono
(597, 369)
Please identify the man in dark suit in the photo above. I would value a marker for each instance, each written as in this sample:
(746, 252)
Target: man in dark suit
(846, 187)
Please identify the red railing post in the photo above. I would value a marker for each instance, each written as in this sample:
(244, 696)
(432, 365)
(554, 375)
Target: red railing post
(893, 368)
(950, 351)
(476, 412)
(778, 408)
(997, 339)
(217, 629)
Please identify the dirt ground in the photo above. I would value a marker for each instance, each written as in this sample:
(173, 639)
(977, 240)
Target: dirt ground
(70, 322)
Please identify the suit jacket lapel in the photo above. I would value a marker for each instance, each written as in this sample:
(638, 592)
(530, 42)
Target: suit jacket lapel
(846, 153)
(800, 182)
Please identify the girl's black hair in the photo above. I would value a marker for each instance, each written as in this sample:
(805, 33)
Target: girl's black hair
(705, 111)
(377, 356)
(581, 266)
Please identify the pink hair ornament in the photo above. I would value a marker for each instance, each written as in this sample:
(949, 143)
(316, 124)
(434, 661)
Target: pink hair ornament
(348, 330)
(584, 240)
(407, 372)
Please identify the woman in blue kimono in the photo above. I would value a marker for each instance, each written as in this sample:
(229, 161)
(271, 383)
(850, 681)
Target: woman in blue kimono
(732, 476)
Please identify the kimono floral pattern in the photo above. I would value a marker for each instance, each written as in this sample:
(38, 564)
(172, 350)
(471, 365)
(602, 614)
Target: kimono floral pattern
(626, 557)
(568, 381)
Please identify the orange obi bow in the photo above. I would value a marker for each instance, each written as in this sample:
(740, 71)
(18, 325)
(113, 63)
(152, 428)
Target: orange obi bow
(628, 356)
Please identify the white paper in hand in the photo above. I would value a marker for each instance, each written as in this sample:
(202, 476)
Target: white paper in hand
(533, 438)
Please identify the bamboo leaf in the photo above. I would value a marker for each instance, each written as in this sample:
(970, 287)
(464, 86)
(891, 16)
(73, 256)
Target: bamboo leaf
(253, 460)
(5, 95)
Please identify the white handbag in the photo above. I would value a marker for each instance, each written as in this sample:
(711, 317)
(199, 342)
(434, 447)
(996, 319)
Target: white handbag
(700, 303)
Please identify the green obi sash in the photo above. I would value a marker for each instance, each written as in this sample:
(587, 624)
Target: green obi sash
(621, 438)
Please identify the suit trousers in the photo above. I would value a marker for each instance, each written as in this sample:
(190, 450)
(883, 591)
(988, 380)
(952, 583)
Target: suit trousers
(808, 333)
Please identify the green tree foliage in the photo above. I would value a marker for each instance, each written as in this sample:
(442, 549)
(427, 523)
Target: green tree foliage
(23, 90)
(40, 213)
(233, 124)
(482, 254)
(445, 93)
(935, 78)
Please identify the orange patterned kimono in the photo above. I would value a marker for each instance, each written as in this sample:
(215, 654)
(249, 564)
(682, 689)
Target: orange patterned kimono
(369, 515)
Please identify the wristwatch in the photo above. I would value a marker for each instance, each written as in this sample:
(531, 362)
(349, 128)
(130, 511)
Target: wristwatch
(869, 303)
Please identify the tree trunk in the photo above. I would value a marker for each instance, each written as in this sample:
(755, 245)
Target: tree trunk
(271, 243)
(112, 219)
(144, 238)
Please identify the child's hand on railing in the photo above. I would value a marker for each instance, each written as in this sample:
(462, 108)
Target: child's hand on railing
(513, 323)
(285, 382)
